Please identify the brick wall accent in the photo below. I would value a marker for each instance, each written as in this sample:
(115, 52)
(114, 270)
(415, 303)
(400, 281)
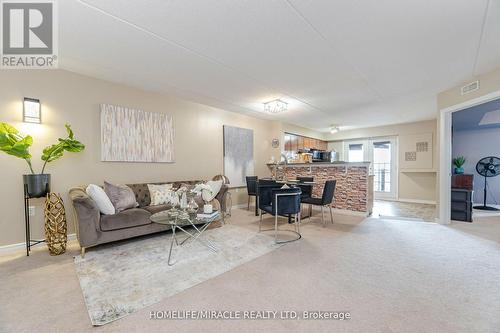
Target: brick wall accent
(351, 192)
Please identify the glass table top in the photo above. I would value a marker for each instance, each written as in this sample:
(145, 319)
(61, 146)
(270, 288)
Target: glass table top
(180, 218)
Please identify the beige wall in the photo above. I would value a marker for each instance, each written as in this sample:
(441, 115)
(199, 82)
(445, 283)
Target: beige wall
(419, 186)
(72, 98)
(488, 83)
(289, 128)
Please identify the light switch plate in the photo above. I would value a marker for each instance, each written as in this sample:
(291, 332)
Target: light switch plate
(31, 211)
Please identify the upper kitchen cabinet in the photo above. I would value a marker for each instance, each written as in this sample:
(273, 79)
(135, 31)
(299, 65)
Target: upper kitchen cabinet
(294, 143)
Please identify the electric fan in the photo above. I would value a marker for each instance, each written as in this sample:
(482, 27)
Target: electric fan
(487, 167)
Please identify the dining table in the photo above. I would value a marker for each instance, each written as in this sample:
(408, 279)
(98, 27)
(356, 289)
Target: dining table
(290, 182)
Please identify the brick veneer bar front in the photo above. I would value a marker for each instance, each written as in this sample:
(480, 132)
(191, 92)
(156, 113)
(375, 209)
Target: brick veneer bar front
(352, 190)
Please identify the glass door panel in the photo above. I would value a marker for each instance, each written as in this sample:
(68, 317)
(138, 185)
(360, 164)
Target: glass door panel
(382, 166)
(355, 152)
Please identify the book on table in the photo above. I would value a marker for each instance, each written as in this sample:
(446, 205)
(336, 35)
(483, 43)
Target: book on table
(207, 215)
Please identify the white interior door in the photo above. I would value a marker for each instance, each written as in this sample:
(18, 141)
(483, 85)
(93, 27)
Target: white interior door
(382, 153)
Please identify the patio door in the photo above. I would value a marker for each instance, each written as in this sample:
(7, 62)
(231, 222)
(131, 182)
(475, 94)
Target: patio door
(382, 153)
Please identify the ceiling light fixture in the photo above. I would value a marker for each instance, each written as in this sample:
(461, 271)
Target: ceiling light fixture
(334, 129)
(276, 106)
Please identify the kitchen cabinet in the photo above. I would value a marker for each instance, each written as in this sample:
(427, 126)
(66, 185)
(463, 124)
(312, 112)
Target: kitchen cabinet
(300, 142)
(295, 142)
(288, 142)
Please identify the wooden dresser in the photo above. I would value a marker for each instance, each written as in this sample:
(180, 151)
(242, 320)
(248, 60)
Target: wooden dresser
(461, 197)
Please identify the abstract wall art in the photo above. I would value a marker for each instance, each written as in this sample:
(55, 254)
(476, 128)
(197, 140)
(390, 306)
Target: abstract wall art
(129, 135)
(416, 151)
(238, 155)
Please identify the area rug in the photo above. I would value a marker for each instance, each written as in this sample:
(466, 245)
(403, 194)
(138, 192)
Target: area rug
(119, 279)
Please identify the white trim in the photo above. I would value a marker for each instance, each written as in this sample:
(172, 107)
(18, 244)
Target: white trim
(445, 151)
(5, 249)
(418, 201)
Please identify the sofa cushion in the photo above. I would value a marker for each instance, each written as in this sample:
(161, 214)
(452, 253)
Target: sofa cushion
(161, 194)
(125, 219)
(121, 196)
(157, 208)
(101, 199)
(215, 185)
(143, 197)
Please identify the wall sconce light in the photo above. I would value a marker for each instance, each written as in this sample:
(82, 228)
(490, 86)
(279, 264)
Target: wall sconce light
(32, 111)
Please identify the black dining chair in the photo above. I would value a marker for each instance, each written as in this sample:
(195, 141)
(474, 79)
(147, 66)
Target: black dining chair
(325, 200)
(278, 201)
(252, 188)
(306, 189)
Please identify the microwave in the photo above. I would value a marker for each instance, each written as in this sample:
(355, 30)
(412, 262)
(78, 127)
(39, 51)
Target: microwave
(322, 156)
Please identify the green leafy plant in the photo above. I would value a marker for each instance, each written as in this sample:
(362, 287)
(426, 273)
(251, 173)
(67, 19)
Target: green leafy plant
(13, 143)
(56, 151)
(459, 161)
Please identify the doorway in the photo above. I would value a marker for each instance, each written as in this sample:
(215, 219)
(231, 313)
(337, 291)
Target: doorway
(382, 153)
(445, 146)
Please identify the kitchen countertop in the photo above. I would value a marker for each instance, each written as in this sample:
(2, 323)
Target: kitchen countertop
(325, 164)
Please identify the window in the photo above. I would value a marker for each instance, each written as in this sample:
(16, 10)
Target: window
(356, 152)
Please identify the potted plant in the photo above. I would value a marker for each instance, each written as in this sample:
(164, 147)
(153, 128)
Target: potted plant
(459, 162)
(15, 144)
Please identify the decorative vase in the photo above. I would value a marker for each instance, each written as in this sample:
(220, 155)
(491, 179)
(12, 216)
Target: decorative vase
(56, 226)
(183, 202)
(38, 185)
(208, 208)
(459, 170)
(192, 206)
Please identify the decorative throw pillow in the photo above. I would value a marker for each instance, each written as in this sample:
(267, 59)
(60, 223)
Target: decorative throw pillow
(215, 185)
(101, 199)
(122, 197)
(160, 194)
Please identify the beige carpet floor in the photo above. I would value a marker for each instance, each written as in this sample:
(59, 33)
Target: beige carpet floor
(393, 276)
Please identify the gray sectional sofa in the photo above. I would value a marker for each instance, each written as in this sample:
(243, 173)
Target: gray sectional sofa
(93, 228)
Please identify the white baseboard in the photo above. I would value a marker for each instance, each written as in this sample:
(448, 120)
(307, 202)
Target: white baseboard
(427, 202)
(22, 246)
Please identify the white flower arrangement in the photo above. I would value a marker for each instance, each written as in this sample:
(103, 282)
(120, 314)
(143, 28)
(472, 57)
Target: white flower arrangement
(204, 190)
(173, 198)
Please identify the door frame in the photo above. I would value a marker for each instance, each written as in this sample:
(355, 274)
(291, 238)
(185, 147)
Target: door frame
(394, 194)
(445, 137)
(368, 156)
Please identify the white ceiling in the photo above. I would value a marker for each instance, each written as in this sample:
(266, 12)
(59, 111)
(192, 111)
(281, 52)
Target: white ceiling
(353, 63)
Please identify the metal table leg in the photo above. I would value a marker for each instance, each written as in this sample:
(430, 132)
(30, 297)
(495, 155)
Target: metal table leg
(194, 236)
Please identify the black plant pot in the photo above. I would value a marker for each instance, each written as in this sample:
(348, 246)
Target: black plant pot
(38, 185)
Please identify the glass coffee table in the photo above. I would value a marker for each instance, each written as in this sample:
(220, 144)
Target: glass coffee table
(182, 221)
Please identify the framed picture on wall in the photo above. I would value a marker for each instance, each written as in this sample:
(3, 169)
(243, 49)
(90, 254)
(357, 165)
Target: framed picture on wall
(238, 155)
